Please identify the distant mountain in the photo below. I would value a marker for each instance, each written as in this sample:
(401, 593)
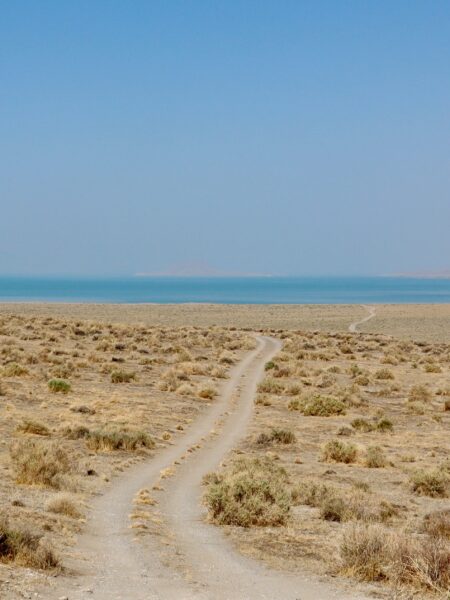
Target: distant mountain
(444, 274)
(197, 270)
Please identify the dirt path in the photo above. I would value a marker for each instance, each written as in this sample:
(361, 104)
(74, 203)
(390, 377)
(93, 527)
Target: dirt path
(112, 565)
(372, 312)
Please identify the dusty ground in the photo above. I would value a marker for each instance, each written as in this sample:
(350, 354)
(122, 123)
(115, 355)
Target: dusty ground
(176, 372)
(373, 378)
(429, 322)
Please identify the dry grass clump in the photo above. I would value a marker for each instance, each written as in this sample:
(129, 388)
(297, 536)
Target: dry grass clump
(322, 406)
(64, 504)
(14, 370)
(434, 483)
(384, 374)
(207, 393)
(362, 552)
(375, 458)
(419, 393)
(337, 451)
(59, 386)
(129, 441)
(41, 463)
(437, 523)
(270, 386)
(372, 553)
(24, 548)
(341, 505)
(119, 376)
(277, 436)
(34, 427)
(253, 492)
(432, 368)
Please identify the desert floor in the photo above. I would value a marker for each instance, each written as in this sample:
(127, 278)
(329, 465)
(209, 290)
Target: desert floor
(428, 322)
(111, 416)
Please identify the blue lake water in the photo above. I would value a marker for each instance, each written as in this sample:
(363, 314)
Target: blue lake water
(227, 290)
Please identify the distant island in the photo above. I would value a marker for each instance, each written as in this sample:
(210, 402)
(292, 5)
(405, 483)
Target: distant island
(197, 270)
(444, 274)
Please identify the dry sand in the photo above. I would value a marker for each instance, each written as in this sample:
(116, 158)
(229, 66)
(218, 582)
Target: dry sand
(428, 322)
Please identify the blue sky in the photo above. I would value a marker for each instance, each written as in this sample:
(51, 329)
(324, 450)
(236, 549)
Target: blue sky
(287, 137)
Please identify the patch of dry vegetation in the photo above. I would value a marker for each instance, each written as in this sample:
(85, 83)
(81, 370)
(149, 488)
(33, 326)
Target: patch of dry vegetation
(81, 401)
(367, 472)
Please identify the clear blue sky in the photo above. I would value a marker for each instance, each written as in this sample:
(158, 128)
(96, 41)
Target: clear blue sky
(288, 137)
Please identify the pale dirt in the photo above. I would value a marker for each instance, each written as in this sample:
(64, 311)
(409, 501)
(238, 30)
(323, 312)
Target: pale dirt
(109, 563)
(419, 322)
(353, 327)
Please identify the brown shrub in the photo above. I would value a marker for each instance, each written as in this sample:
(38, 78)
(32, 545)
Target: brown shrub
(40, 463)
(25, 548)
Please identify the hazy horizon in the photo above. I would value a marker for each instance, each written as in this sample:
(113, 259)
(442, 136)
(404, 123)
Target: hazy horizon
(291, 139)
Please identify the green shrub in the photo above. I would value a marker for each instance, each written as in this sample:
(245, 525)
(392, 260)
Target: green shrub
(59, 386)
(253, 492)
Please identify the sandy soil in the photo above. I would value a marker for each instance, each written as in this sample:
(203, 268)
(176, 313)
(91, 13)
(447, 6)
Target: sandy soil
(429, 322)
(116, 566)
(175, 374)
(146, 535)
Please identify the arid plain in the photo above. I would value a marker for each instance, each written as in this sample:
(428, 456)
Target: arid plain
(342, 473)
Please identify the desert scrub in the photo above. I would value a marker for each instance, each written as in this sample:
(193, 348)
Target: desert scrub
(278, 436)
(118, 376)
(37, 462)
(432, 368)
(375, 458)
(63, 504)
(322, 406)
(253, 492)
(270, 386)
(437, 523)
(118, 440)
(419, 393)
(362, 425)
(337, 451)
(432, 483)
(14, 370)
(373, 553)
(24, 548)
(207, 393)
(340, 505)
(363, 552)
(384, 374)
(34, 427)
(59, 386)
